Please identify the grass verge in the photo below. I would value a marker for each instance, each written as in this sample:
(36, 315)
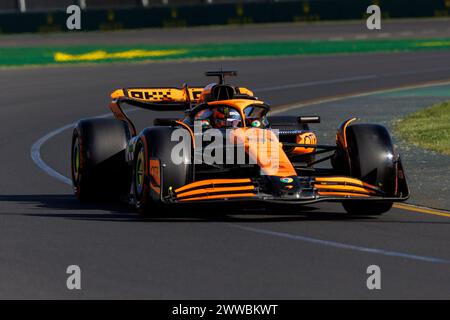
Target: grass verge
(428, 128)
(101, 54)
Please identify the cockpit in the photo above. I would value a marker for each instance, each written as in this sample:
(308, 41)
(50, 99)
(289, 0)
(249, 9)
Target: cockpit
(227, 117)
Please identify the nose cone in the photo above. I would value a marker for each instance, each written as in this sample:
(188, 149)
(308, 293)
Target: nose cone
(291, 187)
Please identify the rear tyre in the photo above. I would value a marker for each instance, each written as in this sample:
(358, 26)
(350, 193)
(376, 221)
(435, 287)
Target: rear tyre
(369, 157)
(98, 165)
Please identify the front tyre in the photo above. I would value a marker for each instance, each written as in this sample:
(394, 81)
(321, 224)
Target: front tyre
(142, 198)
(150, 183)
(370, 157)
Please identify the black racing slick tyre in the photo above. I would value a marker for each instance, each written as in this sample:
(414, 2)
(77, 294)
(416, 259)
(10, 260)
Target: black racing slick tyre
(371, 158)
(152, 184)
(140, 180)
(98, 165)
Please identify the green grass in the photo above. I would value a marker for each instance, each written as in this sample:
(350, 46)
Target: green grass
(428, 128)
(46, 55)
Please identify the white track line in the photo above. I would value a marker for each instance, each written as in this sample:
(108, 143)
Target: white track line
(341, 245)
(293, 106)
(36, 154)
(36, 150)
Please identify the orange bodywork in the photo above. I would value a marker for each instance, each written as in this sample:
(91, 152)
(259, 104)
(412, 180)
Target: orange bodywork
(221, 196)
(344, 181)
(211, 183)
(216, 189)
(264, 149)
(169, 94)
(344, 186)
(120, 115)
(344, 189)
(305, 138)
(203, 191)
(222, 189)
(184, 125)
(341, 194)
(155, 175)
(159, 94)
(344, 132)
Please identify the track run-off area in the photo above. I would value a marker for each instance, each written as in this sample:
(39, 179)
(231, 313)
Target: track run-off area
(311, 252)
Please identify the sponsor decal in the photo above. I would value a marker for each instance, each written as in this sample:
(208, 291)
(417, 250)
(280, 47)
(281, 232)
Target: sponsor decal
(256, 123)
(286, 180)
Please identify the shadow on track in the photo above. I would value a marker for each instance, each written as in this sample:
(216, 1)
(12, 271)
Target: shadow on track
(119, 212)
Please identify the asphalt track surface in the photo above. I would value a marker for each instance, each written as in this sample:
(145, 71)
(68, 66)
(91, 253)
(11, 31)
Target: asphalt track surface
(315, 252)
(343, 30)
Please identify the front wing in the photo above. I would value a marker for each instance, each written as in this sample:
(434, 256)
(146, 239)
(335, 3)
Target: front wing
(333, 188)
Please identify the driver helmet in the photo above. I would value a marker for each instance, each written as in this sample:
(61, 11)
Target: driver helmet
(226, 117)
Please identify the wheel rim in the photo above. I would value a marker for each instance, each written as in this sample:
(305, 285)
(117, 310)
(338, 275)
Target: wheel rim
(139, 172)
(76, 159)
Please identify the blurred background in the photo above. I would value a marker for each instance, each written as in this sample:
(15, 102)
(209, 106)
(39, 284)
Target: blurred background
(50, 15)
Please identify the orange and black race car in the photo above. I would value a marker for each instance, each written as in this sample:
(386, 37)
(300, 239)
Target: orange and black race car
(228, 148)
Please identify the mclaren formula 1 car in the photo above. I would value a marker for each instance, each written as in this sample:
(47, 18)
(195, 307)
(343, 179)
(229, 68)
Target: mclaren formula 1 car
(227, 147)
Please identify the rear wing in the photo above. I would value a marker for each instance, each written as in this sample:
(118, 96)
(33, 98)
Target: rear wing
(165, 98)
(158, 99)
